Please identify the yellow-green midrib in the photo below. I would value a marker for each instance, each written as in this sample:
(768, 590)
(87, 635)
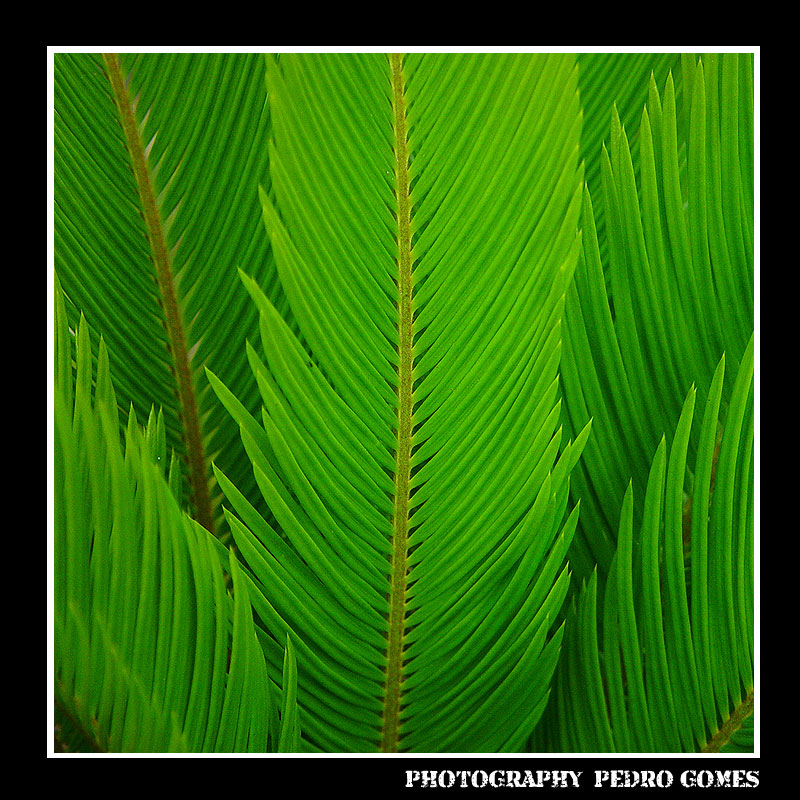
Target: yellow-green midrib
(390, 731)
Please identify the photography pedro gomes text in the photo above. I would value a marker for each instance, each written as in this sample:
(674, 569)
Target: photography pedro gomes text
(566, 779)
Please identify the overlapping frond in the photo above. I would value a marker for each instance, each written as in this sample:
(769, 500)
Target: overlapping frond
(151, 651)
(661, 659)
(644, 322)
(157, 161)
(678, 239)
(424, 226)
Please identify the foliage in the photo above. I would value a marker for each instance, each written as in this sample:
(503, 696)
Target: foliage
(447, 365)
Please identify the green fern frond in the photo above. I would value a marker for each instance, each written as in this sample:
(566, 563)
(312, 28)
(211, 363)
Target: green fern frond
(662, 656)
(147, 245)
(680, 275)
(151, 653)
(419, 591)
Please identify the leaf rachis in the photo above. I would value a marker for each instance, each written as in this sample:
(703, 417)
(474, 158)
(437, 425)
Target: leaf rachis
(405, 307)
(179, 350)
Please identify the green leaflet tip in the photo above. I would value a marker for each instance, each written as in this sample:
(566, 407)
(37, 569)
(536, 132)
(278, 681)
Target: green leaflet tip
(669, 88)
(256, 292)
(244, 277)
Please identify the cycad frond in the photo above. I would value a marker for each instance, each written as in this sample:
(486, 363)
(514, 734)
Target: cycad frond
(413, 461)
(157, 163)
(151, 652)
(679, 267)
(660, 659)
